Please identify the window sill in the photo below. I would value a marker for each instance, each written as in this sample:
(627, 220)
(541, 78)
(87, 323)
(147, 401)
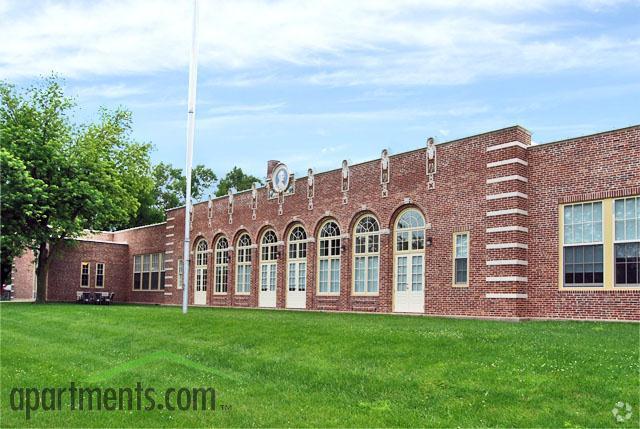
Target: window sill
(328, 293)
(221, 293)
(365, 294)
(460, 285)
(243, 293)
(147, 290)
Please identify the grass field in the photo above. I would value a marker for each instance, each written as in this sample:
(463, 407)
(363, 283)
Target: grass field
(277, 368)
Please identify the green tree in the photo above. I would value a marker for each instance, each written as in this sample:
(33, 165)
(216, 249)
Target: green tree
(63, 178)
(237, 180)
(169, 191)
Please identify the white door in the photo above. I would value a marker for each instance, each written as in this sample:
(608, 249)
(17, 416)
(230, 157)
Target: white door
(200, 285)
(409, 284)
(267, 296)
(297, 285)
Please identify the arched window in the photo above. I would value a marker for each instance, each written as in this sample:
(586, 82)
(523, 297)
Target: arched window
(268, 264)
(409, 251)
(243, 265)
(366, 250)
(410, 231)
(222, 265)
(329, 259)
(202, 258)
(297, 261)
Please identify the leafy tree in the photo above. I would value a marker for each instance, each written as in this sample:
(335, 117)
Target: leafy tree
(169, 191)
(237, 180)
(63, 178)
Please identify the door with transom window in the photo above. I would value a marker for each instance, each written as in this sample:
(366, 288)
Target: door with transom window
(409, 263)
(268, 270)
(200, 284)
(297, 269)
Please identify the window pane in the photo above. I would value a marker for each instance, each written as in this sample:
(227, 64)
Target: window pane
(416, 273)
(324, 276)
(137, 263)
(136, 281)
(401, 278)
(292, 276)
(372, 278)
(359, 274)
(335, 275)
(145, 262)
(461, 270)
(302, 276)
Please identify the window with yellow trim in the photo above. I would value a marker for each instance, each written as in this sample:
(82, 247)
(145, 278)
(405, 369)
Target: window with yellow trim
(583, 252)
(461, 259)
(627, 242)
(84, 275)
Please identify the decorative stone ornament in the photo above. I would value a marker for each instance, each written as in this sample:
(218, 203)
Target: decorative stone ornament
(384, 172)
(310, 188)
(345, 181)
(254, 200)
(210, 210)
(431, 163)
(230, 206)
(280, 178)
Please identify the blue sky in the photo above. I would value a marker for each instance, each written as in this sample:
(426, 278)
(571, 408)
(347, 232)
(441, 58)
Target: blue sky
(313, 82)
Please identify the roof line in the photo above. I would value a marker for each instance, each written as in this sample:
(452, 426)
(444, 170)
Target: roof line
(372, 160)
(584, 136)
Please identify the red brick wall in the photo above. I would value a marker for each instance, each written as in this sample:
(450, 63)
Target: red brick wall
(575, 170)
(465, 195)
(23, 276)
(64, 270)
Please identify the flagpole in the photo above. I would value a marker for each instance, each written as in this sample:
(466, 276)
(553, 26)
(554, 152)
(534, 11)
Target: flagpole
(191, 124)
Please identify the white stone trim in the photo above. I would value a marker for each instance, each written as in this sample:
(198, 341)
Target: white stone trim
(507, 178)
(507, 212)
(168, 269)
(506, 295)
(168, 278)
(507, 279)
(497, 262)
(507, 229)
(170, 218)
(170, 243)
(507, 246)
(506, 145)
(385, 231)
(507, 195)
(170, 226)
(169, 235)
(169, 252)
(167, 293)
(507, 162)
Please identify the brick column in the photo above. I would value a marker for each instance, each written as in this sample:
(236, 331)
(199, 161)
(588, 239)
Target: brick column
(507, 224)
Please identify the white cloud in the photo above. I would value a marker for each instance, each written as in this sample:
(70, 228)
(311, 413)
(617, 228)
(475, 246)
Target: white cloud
(110, 91)
(332, 42)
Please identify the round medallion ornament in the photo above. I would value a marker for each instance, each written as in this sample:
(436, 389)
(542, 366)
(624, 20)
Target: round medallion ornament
(280, 178)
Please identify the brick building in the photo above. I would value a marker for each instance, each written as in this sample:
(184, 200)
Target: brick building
(485, 226)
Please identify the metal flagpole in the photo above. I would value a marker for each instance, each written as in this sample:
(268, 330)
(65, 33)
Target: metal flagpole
(191, 124)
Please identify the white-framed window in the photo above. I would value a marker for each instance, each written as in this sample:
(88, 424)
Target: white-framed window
(222, 265)
(297, 260)
(461, 258)
(84, 274)
(148, 272)
(202, 259)
(627, 242)
(366, 250)
(268, 264)
(583, 245)
(409, 251)
(180, 274)
(243, 265)
(410, 231)
(99, 274)
(329, 251)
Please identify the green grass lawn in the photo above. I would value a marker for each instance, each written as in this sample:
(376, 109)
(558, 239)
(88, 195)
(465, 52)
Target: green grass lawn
(284, 368)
